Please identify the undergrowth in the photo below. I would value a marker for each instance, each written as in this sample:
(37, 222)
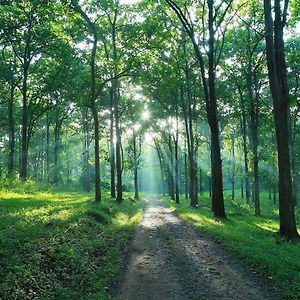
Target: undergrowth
(61, 245)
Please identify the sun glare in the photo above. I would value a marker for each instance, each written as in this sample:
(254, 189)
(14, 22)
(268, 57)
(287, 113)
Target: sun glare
(146, 115)
(148, 137)
(129, 1)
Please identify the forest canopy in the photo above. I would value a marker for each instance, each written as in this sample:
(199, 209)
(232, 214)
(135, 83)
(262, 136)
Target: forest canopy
(174, 97)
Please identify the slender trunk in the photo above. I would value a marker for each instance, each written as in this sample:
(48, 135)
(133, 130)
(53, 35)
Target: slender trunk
(86, 155)
(96, 120)
(48, 147)
(190, 141)
(171, 170)
(233, 171)
(176, 173)
(161, 168)
(24, 131)
(211, 104)
(11, 131)
(186, 185)
(176, 157)
(136, 187)
(256, 161)
(293, 160)
(56, 151)
(93, 30)
(196, 178)
(116, 97)
(118, 153)
(254, 137)
(245, 146)
(67, 146)
(112, 148)
(242, 188)
(200, 181)
(97, 154)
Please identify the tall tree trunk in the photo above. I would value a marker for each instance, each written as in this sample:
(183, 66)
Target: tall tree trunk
(96, 120)
(93, 30)
(200, 181)
(216, 163)
(135, 159)
(86, 152)
(176, 170)
(186, 183)
(118, 152)
(112, 148)
(188, 118)
(11, 131)
(48, 147)
(211, 103)
(157, 147)
(171, 169)
(245, 146)
(254, 137)
(255, 153)
(242, 188)
(116, 98)
(293, 160)
(176, 140)
(233, 170)
(280, 94)
(67, 146)
(24, 131)
(56, 150)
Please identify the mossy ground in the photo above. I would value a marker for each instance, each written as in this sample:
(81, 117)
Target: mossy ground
(62, 245)
(253, 239)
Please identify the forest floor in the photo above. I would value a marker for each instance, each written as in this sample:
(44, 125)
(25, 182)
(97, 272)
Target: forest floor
(62, 245)
(170, 259)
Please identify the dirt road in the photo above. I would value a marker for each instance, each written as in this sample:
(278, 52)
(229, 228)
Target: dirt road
(169, 259)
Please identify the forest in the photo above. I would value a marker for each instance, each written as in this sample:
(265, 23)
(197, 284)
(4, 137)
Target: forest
(149, 149)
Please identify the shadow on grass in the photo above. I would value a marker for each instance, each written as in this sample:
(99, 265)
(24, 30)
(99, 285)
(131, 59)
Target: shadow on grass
(253, 239)
(51, 246)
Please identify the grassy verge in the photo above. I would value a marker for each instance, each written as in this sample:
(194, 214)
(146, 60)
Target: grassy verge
(253, 239)
(62, 245)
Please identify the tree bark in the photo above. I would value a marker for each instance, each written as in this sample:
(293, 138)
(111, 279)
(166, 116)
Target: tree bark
(48, 147)
(176, 141)
(135, 161)
(118, 152)
(216, 163)
(112, 148)
(56, 150)
(11, 131)
(245, 146)
(233, 169)
(280, 94)
(24, 131)
(186, 183)
(253, 134)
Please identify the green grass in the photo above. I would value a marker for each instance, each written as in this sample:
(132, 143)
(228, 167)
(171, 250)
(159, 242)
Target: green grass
(253, 239)
(62, 245)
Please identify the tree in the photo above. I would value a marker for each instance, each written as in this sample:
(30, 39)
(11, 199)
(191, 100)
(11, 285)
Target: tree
(280, 94)
(93, 96)
(215, 19)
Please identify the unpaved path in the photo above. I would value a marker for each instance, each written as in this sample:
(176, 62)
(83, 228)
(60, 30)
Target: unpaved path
(169, 259)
